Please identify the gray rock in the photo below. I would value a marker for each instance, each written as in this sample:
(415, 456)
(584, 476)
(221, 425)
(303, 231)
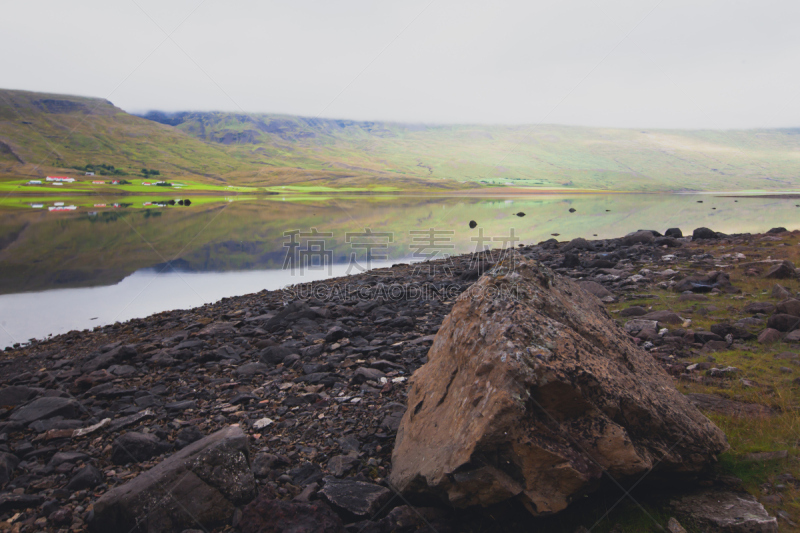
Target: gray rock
(781, 293)
(725, 512)
(263, 463)
(201, 484)
(704, 233)
(592, 287)
(67, 457)
(44, 408)
(759, 307)
(363, 374)
(783, 270)
(251, 369)
(355, 497)
(105, 360)
(134, 447)
(638, 237)
(8, 462)
(188, 435)
(12, 502)
(18, 394)
(342, 464)
(87, 477)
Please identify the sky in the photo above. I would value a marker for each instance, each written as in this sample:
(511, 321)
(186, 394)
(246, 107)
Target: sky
(617, 63)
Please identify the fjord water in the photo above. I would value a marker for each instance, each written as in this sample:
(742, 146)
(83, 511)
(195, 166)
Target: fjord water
(94, 265)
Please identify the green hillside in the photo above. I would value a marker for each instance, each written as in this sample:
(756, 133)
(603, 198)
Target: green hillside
(44, 133)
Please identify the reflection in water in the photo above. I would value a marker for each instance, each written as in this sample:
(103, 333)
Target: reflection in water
(99, 245)
(38, 314)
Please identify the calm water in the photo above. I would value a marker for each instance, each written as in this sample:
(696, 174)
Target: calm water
(65, 268)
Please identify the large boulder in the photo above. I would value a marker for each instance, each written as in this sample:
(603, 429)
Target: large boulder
(532, 392)
(200, 485)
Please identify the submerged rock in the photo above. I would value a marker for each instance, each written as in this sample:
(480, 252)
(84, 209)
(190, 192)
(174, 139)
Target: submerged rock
(532, 392)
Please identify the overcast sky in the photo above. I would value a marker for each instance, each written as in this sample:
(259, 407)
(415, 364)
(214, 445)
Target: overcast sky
(637, 63)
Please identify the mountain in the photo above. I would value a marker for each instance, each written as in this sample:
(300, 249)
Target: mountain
(40, 133)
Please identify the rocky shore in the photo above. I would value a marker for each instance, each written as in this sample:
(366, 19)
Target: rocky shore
(278, 411)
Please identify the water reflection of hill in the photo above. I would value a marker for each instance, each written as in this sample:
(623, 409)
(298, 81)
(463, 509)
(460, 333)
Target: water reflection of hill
(41, 250)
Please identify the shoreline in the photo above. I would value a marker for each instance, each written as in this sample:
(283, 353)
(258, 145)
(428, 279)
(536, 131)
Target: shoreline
(318, 387)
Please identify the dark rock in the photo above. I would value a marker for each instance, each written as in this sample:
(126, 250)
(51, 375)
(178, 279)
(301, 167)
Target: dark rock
(638, 237)
(727, 512)
(737, 332)
(783, 270)
(666, 317)
(60, 517)
(17, 395)
(782, 322)
(133, 447)
(188, 435)
(674, 233)
(572, 209)
(273, 355)
(14, 502)
(263, 463)
(578, 244)
(760, 307)
(355, 498)
(669, 242)
(774, 231)
(704, 233)
(8, 462)
(305, 474)
(707, 283)
(782, 293)
(634, 310)
(44, 408)
(363, 374)
(87, 477)
(181, 406)
(200, 485)
(571, 260)
(105, 360)
(703, 337)
(267, 515)
(592, 287)
(718, 404)
(67, 457)
(769, 336)
(520, 214)
(251, 369)
(340, 465)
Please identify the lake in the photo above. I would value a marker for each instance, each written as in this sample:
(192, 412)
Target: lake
(75, 263)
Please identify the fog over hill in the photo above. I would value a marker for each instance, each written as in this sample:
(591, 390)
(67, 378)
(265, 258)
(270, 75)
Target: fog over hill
(258, 149)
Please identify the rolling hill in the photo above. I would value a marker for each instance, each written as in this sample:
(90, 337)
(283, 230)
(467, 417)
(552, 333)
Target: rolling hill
(41, 133)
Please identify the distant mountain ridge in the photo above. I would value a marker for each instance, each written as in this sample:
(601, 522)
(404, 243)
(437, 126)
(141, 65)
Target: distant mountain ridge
(261, 149)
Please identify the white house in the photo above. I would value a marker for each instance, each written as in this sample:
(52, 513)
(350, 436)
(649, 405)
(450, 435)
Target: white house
(60, 179)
